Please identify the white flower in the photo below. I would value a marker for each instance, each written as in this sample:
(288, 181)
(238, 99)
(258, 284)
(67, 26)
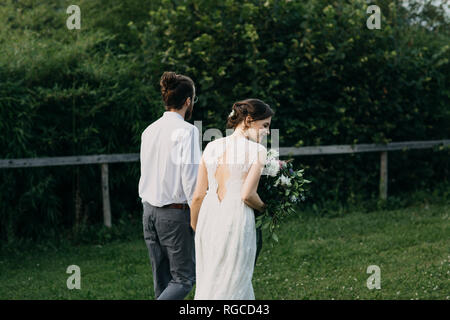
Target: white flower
(231, 114)
(271, 168)
(293, 198)
(285, 181)
(272, 154)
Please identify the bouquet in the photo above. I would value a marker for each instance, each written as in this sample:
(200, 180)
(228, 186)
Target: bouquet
(282, 189)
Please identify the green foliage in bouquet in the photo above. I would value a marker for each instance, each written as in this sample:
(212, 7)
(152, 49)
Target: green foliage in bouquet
(281, 188)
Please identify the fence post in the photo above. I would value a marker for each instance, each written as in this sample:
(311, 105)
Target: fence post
(383, 175)
(105, 193)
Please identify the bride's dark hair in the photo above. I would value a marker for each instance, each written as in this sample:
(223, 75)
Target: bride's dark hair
(255, 108)
(175, 89)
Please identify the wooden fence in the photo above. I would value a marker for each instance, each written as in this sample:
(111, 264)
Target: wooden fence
(104, 160)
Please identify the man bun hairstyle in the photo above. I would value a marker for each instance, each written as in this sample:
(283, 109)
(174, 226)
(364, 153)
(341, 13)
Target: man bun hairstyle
(255, 108)
(175, 89)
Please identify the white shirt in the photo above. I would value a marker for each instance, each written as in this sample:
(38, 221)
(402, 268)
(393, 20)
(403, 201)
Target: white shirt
(170, 155)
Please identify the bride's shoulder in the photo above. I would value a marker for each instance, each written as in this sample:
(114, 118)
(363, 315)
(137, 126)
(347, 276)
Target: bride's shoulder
(258, 146)
(261, 147)
(213, 145)
(257, 152)
(215, 142)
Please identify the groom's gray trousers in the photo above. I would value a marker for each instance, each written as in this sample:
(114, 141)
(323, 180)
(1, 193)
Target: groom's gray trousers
(170, 242)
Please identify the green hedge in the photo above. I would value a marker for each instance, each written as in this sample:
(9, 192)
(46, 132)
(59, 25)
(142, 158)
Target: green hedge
(329, 79)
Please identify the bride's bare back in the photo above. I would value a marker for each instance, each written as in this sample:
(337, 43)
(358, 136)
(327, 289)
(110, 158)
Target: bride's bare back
(222, 175)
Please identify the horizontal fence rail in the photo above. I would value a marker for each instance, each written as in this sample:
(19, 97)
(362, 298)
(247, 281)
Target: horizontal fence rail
(300, 151)
(105, 159)
(339, 149)
(69, 161)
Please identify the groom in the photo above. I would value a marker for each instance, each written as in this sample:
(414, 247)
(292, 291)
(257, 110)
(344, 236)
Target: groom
(170, 155)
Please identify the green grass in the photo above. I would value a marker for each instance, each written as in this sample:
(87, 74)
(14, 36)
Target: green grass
(316, 258)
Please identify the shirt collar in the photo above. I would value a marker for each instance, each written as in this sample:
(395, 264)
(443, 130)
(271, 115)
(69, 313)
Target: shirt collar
(173, 114)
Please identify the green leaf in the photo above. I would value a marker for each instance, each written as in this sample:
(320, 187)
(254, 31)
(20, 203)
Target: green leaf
(275, 237)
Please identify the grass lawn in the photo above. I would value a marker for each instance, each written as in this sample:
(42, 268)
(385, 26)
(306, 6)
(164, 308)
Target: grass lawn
(316, 258)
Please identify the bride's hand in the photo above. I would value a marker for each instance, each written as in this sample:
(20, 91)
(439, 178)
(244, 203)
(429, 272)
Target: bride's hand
(261, 209)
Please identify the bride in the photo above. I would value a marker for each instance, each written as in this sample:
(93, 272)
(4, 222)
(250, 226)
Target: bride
(222, 207)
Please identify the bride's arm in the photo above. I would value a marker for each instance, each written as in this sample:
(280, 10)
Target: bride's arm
(250, 186)
(199, 193)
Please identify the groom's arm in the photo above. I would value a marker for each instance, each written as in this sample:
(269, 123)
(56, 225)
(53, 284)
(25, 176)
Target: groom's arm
(189, 166)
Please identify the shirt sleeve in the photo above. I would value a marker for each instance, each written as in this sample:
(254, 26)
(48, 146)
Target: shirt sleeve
(190, 162)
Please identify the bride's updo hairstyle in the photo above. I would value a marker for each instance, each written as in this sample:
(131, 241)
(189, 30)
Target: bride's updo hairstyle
(255, 108)
(175, 89)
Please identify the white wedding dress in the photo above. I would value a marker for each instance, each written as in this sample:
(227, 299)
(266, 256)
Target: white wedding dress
(225, 238)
